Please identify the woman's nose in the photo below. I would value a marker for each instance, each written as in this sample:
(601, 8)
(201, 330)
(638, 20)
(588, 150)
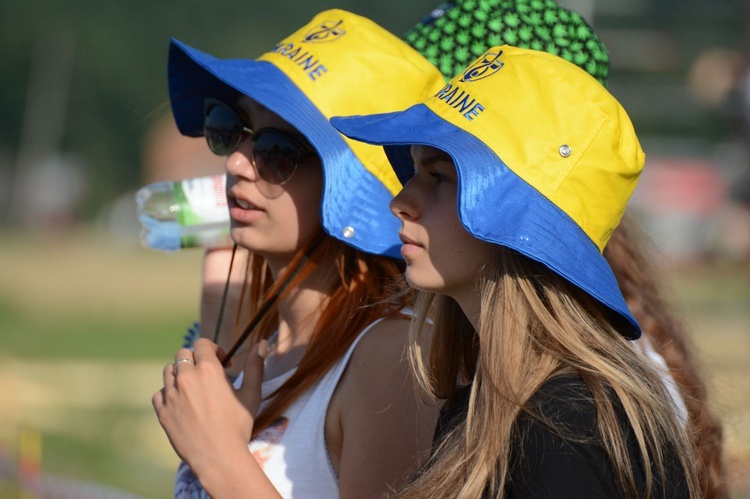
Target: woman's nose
(404, 205)
(240, 163)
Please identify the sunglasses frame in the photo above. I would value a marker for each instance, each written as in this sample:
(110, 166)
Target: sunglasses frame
(300, 149)
(208, 105)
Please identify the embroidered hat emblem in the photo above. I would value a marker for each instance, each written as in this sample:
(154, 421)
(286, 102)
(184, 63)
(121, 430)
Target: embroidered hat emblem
(327, 31)
(484, 67)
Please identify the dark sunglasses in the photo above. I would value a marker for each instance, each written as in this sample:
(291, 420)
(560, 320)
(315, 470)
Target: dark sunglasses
(276, 154)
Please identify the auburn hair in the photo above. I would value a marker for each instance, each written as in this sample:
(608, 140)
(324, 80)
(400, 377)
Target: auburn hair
(368, 287)
(629, 257)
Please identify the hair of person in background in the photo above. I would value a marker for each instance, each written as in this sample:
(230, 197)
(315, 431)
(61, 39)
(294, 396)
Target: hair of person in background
(639, 280)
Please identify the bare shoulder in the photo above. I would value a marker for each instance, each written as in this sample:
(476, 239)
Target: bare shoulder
(388, 335)
(377, 421)
(381, 356)
(378, 371)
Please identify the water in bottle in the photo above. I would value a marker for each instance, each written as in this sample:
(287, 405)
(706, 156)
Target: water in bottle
(184, 213)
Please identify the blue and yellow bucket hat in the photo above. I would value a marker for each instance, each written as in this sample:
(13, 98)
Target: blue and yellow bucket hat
(339, 63)
(546, 160)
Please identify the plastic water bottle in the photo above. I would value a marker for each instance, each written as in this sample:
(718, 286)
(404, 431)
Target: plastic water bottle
(184, 214)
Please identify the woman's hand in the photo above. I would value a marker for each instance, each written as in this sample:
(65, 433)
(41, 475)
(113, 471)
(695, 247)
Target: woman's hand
(207, 421)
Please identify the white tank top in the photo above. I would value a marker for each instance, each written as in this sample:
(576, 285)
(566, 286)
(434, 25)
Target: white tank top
(292, 451)
(661, 367)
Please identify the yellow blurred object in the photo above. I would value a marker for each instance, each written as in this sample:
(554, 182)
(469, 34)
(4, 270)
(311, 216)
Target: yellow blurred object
(29, 462)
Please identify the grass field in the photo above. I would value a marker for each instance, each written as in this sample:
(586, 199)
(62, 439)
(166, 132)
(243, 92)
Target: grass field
(85, 329)
(87, 325)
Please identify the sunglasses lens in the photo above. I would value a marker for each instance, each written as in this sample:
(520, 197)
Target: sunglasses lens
(223, 129)
(276, 156)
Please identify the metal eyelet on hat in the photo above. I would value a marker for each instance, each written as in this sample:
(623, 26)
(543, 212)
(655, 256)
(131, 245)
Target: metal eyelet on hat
(565, 150)
(348, 231)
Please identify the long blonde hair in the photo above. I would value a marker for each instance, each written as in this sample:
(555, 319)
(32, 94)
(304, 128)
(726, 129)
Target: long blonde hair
(535, 326)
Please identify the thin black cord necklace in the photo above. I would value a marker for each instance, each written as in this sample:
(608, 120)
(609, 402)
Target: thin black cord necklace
(272, 299)
(224, 297)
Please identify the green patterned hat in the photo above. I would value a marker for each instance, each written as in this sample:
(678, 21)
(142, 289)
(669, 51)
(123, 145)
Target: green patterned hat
(457, 32)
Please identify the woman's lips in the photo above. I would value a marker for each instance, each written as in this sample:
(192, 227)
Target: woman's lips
(243, 211)
(245, 205)
(409, 246)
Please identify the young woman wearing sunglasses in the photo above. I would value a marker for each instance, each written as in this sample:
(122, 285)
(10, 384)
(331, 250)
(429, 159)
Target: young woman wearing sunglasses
(325, 398)
(503, 225)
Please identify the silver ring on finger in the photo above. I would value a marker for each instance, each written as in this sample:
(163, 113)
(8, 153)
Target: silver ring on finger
(176, 362)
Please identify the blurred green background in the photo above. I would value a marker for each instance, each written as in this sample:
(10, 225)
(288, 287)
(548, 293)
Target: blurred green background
(88, 317)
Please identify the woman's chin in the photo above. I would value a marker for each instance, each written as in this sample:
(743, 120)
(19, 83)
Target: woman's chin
(423, 281)
(244, 238)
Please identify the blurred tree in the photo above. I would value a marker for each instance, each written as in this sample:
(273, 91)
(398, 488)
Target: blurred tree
(117, 90)
(117, 85)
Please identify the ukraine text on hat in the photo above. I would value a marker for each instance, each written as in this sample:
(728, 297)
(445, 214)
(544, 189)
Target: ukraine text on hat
(460, 99)
(324, 32)
(307, 61)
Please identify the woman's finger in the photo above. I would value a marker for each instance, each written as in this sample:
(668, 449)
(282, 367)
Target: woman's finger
(250, 391)
(158, 400)
(206, 351)
(167, 375)
(183, 357)
(184, 353)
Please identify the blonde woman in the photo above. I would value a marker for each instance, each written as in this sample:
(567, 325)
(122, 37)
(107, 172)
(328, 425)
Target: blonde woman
(665, 340)
(523, 168)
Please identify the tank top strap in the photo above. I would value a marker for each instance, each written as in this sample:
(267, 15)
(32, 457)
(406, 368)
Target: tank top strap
(330, 381)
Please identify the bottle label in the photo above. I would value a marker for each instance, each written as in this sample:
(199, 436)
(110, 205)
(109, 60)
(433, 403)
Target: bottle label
(203, 200)
(211, 236)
